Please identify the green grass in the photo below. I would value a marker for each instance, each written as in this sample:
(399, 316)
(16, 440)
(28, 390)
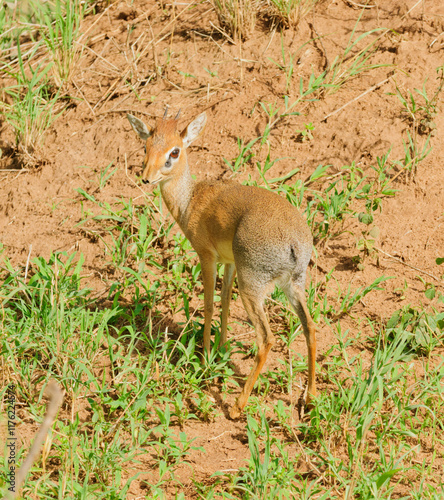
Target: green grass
(61, 23)
(30, 108)
(32, 101)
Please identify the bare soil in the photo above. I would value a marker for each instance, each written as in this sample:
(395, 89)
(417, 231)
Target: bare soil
(39, 207)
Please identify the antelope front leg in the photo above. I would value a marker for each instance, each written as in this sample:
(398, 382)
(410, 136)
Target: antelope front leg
(227, 285)
(209, 267)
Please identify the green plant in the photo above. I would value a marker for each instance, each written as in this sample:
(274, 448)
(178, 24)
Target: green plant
(420, 116)
(185, 74)
(369, 235)
(429, 288)
(306, 133)
(265, 477)
(327, 212)
(171, 450)
(287, 65)
(244, 156)
(414, 153)
(51, 301)
(353, 61)
(213, 74)
(400, 292)
(122, 332)
(381, 184)
(128, 229)
(276, 182)
(424, 331)
(105, 175)
(349, 299)
(276, 114)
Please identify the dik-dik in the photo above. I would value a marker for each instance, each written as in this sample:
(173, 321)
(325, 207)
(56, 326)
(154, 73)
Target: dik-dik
(250, 230)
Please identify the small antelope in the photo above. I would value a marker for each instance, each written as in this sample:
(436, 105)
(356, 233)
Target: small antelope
(251, 230)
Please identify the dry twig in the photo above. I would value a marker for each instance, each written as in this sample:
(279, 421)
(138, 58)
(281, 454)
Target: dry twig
(371, 89)
(408, 265)
(55, 394)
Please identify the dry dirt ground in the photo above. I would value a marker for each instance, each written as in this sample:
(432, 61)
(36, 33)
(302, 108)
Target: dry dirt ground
(139, 56)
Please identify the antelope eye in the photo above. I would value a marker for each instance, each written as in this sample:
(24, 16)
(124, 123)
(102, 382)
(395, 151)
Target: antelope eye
(175, 153)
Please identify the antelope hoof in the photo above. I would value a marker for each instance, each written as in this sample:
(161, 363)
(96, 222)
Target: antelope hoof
(309, 400)
(235, 411)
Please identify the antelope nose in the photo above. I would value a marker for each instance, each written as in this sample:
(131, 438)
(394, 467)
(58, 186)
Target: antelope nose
(145, 181)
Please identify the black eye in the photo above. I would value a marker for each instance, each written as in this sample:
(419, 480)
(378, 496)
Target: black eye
(175, 153)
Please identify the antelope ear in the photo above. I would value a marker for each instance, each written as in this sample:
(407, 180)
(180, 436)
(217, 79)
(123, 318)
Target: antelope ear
(192, 132)
(139, 127)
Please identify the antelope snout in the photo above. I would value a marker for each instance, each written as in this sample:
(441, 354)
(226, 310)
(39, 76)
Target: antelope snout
(145, 173)
(150, 177)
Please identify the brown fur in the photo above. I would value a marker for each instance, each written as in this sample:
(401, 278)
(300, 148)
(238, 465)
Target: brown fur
(254, 232)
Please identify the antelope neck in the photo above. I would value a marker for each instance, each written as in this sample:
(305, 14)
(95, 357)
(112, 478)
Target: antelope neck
(177, 193)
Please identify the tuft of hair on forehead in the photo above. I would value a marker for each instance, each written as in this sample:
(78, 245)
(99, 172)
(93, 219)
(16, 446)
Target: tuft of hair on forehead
(166, 127)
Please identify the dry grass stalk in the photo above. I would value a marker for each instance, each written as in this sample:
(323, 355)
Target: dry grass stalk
(237, 17)
(288, 13)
